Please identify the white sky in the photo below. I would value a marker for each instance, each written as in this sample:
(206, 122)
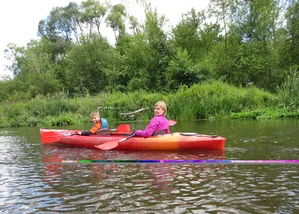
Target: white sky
(19, 18)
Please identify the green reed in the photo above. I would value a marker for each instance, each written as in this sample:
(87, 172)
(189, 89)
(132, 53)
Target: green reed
(289, 91)
(209, 100)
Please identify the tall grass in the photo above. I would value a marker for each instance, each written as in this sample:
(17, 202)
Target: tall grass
(289, 91)
(205, 101)
(216, 99)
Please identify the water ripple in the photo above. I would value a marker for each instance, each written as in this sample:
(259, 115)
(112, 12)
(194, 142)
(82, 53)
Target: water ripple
(149, 188)
(33, 180)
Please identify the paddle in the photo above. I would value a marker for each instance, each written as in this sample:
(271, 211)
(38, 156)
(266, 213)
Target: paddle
(50, 136)
(112, 144)
(122, 128)
(172, 122)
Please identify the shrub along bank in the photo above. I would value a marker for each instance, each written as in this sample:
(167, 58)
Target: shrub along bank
(203, 101)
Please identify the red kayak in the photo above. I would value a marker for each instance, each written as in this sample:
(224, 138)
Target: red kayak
(122, 139)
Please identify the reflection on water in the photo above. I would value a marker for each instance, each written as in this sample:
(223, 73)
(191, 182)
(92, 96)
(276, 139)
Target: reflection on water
(34, 180)
(129, 187)
(175, 188)
(58, 153)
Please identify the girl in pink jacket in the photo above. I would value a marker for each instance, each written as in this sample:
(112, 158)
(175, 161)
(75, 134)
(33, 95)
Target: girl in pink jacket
(157, 123)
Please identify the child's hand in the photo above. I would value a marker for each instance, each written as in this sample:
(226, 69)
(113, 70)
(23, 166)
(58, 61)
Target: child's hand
(79, 133)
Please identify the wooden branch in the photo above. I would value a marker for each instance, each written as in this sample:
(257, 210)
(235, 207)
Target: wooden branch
(134, 112)
(104, 108)
(127, 113)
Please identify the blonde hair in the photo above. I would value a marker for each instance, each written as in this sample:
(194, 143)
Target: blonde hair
(94, 114)
(162, 105)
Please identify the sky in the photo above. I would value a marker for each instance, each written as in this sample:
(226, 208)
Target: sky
(19, 18)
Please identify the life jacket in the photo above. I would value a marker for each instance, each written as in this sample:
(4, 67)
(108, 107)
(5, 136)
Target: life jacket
(99, 125)
(104, 129)
(104, 123)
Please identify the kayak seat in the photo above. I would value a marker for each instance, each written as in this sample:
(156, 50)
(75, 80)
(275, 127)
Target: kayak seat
(103, 132)
(159, 132)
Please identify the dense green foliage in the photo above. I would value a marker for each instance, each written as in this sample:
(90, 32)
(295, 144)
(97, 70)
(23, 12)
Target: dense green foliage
(206, 101)
(242, 43)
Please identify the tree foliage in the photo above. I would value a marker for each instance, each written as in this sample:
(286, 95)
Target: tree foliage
(240, 42)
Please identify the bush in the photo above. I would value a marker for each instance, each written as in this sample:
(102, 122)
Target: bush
(211, 99)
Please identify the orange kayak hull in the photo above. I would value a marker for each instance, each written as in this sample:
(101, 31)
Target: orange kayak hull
(173, 141)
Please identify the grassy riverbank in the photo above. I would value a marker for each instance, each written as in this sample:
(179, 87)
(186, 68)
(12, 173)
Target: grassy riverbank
(206, 101)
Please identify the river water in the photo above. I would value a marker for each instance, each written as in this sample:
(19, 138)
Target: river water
(34, 180)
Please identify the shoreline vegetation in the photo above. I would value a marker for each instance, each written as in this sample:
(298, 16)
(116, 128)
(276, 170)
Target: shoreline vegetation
(244, 64)
(209, 100)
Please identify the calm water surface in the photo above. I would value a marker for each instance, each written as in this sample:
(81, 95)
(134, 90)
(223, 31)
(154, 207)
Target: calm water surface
(33, 179)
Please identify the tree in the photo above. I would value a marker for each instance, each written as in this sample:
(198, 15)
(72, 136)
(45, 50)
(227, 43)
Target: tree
(60, 24)
(116, 20)
(88, 65)
(252, 29)
(186, 34)
(34, 68)
(159, 50)
(183, 71)
(133, 63)
(290, 55)
(92, 15)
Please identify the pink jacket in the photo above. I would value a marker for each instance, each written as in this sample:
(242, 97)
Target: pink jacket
(157, 123)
